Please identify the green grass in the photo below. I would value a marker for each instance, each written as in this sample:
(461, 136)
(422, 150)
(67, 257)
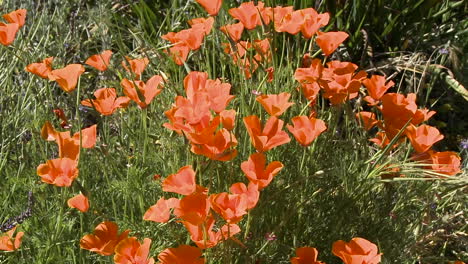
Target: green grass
(329, 191)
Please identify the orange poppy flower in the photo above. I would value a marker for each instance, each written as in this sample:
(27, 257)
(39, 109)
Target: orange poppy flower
(59, 172)
(130, 251)
(10, 243)
(312, 22)
(193, 110)
(183, 254)
(69, 146)
(306, 255)
(8, 33)
(310, 91)
(17, 16)
(311, 74)
(447, 162)
(397, 110)
(330, 41)
(228, 119)
(193, 208)
(148, 91)
(211, 6)
(192, 37)
(161, 211)
(183, 182)
(358, 250)
(233, 31)
(250, 192)
(307, 21)
(204, 236)
(368, 119)
(218, 94)
(41, 69)
(79, 202)
(422, 115)
(206, 24)
(104, 239)
(251, 15)
(258, 172)
(100, 61)
(137, 66)
(269, 137)
(219, 145)
(376, 86)
(306, 129)
(278, 15)
(179, 53)
(423, 137)
(275, 104)
(67, 77)
(106, 101)
(231, 207)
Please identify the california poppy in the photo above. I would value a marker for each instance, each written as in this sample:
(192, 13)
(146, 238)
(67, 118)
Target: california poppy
(306, 255)
(211, 6)
(306, 129)
(218, 93)
(219, 145)
(206, 24)
(446, 162)
(183, 254)
(250, 15)
(183, 182)
(10, 243)
(250, 192)
(148, 90)
(368, 119)
(228, 119)
(233, 31)
(275, 104)
(377, 86)
(8, 33)
(179, 53)
(106, 101)
(192, 37)
(258, 172)
(67, 77)
(104, 239)
(130, 251)
(100, 61)
(193, 208)
(41, 69)
(270, 136)
(423, 137)
(160, 212)
(79, 202)
(59, 172)
(397, 110)
(311, 74)
(330, 41)
(231, 207)
(422, 115)
(69, 146)
(17, 16)
(358, 250)
(137, 66)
